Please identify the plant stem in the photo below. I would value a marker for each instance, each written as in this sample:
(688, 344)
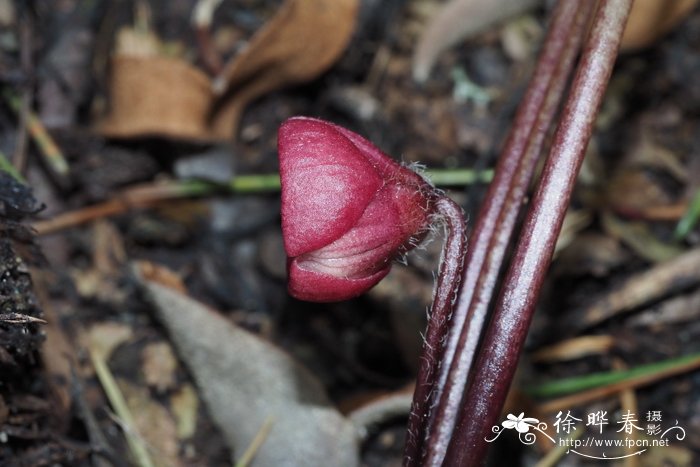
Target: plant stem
(497, 219)
(495, 365)
(438, 177)
(446, 291)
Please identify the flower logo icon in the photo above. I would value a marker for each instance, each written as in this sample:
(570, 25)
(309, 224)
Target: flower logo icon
(521, 423)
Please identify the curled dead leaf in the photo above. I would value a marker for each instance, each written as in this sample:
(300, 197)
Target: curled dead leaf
(651, 19)
(152, 94)
(157, 96)
(299, 43)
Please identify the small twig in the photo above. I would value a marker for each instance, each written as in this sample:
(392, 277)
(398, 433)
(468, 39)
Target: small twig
(640, 376)
(152, 193)
(644, 287)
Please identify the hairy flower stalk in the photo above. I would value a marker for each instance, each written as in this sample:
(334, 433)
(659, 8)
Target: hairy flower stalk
(444, 297)
(495, 364)
(496, 221)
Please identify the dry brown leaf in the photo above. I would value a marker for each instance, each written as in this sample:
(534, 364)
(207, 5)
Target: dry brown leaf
(152, 94)
(137, 43)
(108, 257)
(456, 21)
(109, 252)
(103, 338)
(157, 96)
(159, 365)
(185, 406)
(161, 275)
(299, 43)
(154, 423)
(244, 381)
(651, 19)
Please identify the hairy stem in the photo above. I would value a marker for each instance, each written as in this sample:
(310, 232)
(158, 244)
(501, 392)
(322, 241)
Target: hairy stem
(446, 291)
(495, 365)
(497, 220)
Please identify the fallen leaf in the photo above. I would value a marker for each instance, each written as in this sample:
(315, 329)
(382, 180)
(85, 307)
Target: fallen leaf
(153, 94)
(299, 43)
(108, 256)
(154, 423)
(163, 276)
(159, 365)
(456, 21)
(157, 96)
(185, 405)
(103, 338)
(651, 19)
(244, 380)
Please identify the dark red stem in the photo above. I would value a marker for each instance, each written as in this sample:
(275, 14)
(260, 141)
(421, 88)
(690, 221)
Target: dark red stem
(499, 213)
(495, 364)
(444, 297)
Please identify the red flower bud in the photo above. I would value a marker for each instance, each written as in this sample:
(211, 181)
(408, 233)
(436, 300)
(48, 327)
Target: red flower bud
(347, 210)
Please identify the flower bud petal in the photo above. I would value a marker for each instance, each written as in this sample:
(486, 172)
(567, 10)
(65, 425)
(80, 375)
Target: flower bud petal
(326, 184)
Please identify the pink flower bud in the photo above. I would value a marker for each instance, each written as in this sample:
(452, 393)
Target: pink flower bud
(347, 210)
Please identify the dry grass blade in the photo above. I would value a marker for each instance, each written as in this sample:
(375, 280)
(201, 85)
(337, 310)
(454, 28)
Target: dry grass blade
(116, 398)
(577, 347)
(642, 288)
(259, 439)
(583, 397)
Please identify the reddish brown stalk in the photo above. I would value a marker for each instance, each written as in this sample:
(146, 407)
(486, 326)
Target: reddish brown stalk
(444, 297)
(497, 219)
(495, 365)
